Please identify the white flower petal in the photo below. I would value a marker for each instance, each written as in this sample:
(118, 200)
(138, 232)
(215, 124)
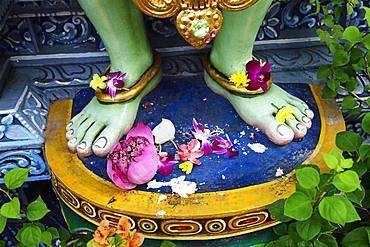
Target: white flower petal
(164, 131)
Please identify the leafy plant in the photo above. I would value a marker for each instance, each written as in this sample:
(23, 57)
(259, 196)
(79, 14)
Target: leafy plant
(325, 202)
(33, 233)
(324, 210)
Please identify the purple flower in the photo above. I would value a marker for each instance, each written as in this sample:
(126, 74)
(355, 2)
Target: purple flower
(203, 135)
(222, 146)
(115, 82)
(259, 74)
(165, 164)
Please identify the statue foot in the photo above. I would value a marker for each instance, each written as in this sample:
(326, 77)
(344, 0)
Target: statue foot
(98, 127)
(260, 110)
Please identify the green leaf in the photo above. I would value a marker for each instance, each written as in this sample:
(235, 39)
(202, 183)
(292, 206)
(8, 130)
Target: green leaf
(298, 206)
(349, 103)
(331, 161)
(346, 163)
(308, 229)
(333, 209)
(356, 196)
(352, 34)
(64, 234)
(311, 193)
(360, 168)
(348, 141)
(31, 236)
(325, 182)
(356, 55)
(341, 57)
(367, 15)
(323, 72)
(54, 232)
(328, 240)
(329, 21)
(352, 214)
(365, 124)
(11, 209)
(347, 181)
(167, 243)
(36, 210)
(277, 210)
(366, 42)
(349, 9)
(3, 220)
(327, 93)
(46, 238)
(14, 178)
(364, 151)
(308, 177)
(357, 237)
(281, 229)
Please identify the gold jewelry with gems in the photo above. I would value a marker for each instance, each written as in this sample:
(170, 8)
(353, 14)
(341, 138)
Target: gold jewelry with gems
(198, 21)
(131, 93)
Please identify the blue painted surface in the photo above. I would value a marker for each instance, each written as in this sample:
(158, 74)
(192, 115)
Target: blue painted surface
(182, 99)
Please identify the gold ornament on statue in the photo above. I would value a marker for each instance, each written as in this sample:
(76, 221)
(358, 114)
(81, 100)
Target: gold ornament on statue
(198, 21)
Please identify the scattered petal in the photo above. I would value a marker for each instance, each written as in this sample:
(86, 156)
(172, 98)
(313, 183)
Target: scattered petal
(164, 131)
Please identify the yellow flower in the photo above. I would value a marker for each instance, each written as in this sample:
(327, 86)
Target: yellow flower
(98, 82)
(284, 114)
(186, 167)
(240, 79)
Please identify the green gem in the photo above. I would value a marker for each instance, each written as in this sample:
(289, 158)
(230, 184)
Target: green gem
(200, 29)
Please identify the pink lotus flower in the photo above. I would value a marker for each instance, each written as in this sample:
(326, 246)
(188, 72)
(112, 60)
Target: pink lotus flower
(134, 160)
(222, 146)
(165, 164)
(191, 152)
(203, 135)
(259, 74)
(115, 82)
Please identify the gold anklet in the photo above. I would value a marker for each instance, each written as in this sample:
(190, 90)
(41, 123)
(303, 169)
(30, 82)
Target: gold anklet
(127, 94)
(226, 83)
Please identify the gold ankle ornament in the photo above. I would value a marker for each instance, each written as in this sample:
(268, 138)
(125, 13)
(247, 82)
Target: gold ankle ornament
(198, 21)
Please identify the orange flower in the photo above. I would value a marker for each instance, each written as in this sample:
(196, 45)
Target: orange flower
(103, 232)
(123, 228)
(105, 236)
(136, 239)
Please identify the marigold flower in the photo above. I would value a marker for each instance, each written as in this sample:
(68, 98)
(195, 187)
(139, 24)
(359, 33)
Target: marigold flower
(284, 114)
(240, 79)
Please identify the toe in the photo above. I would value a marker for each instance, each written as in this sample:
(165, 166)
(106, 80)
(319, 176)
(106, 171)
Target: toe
(106, 140)
(73, 125)
(301, 117)
(79, 134)
(278, 133)
(302, 106)
(298, 128)
(84, 148)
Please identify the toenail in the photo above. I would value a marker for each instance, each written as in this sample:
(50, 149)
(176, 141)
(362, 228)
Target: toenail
(82, 146)
(309, 112)
(69, 124)
(306, 119)
(70, 132)
(283, 130)
(73, 140)
(300, 126)
(101, 142)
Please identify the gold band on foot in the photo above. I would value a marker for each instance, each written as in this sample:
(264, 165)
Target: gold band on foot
(226, 83)
(129, 94)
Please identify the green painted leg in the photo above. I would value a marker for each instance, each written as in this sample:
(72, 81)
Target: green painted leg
(99, 126)
(232, 49)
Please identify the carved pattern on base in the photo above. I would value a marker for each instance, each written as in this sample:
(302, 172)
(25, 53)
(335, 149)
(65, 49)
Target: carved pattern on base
(168, 228)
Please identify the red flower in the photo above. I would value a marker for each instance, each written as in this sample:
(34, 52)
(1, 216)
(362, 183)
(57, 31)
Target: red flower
(191, 152)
